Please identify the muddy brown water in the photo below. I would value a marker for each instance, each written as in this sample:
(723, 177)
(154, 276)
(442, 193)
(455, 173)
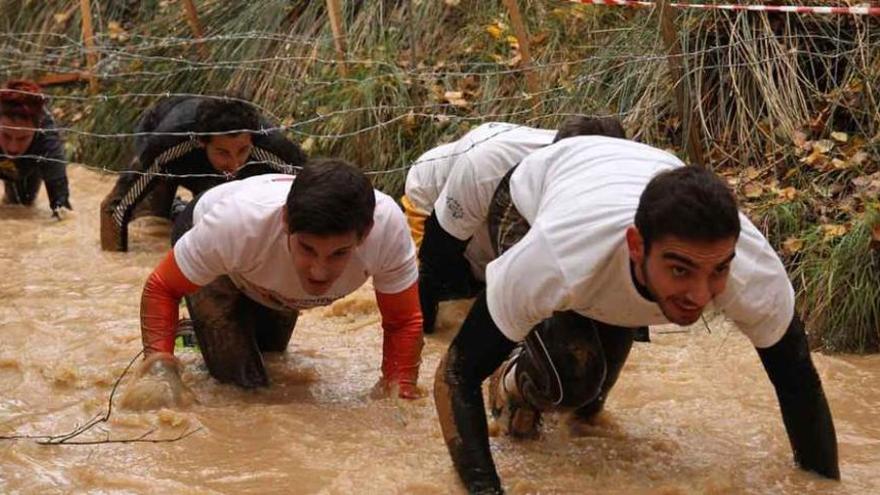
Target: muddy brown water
(693, 412)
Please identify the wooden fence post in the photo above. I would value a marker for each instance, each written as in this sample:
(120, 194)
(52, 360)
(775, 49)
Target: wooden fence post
(334, 11)
(522, 36)
(89, 41)
(413, 34)
(192, 18)
(686, 107)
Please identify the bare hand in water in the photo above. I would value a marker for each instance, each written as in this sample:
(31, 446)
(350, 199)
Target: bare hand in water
(158, 385)
(384, 388)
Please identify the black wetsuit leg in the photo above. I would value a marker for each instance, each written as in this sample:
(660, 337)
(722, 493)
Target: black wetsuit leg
(570, 361)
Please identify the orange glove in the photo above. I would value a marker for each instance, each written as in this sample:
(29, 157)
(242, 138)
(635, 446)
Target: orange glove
(402, 345)
(159, 302)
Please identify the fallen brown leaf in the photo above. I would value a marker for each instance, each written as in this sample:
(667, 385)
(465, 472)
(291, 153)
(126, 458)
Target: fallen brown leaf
(875, 237)
(788, 193)
(823, 145)
(792, 245)
(753, 190)
(840, 137)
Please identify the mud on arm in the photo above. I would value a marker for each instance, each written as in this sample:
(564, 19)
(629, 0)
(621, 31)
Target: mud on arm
(477, 350)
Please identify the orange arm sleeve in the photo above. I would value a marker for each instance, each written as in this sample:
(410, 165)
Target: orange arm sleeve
(402, 344)
(159, 301)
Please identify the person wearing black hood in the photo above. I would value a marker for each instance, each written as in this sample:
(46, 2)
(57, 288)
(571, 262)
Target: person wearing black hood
(31, 151)
(196, 142)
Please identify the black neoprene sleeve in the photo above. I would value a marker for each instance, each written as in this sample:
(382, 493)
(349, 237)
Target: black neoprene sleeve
(804, 408)
(477, 350)
(443, 269)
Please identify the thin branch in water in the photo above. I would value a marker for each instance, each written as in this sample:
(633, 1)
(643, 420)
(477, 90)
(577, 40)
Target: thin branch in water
(139, 439)
(98, 419)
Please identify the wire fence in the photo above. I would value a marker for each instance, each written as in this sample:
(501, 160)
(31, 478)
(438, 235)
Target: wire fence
(620, 71)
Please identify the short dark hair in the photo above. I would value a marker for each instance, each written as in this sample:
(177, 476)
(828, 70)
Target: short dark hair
(330, 196)
(21, 99)
(226, 115)
(579, 125)
(691, 203)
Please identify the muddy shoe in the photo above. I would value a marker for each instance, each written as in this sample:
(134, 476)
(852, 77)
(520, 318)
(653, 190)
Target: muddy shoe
(512, 416)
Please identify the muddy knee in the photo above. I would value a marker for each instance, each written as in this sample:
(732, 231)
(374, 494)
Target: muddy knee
(562, 364)
(224, 328)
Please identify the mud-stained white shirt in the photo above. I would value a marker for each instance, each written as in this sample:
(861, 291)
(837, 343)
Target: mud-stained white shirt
(494, 147)
(580, 196)
(239, 231)
(481, 159)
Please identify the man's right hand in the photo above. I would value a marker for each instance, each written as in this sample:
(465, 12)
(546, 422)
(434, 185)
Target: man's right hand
(158, 385)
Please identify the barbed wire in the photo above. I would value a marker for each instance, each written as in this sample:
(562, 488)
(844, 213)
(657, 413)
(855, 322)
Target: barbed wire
(403, 168)
(80, 51)
(597, 69)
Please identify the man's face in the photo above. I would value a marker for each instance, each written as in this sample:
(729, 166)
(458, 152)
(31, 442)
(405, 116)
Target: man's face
(321, 259)
(228, 152)
(14, 142)
(682, 275)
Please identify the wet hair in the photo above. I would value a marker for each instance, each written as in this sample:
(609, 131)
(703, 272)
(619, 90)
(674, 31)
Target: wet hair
(226, 115)
(21, 99)
(579, 125)
(330, 197)
(691, 203)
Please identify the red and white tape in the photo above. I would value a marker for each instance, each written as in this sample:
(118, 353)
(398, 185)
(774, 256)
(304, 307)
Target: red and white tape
(794, 9)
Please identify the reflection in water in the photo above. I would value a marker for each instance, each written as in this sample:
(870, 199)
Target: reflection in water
(692, 413)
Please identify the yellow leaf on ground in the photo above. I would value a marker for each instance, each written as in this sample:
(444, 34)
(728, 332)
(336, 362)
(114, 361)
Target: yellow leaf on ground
(753, 190)
(792, 245)
(788, 193)
(831, 230)
(839, 164)
(858, 159)
(840, 137)
(823, 146)
(494, 31)
(456, 98)
(816, 159)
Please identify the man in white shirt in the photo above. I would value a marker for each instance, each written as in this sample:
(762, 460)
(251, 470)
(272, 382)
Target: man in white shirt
(476, 162)
(597, 236)
(249, 254)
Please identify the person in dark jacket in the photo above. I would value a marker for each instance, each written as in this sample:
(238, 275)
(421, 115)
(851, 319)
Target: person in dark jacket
(196, 142)
(31, 151)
